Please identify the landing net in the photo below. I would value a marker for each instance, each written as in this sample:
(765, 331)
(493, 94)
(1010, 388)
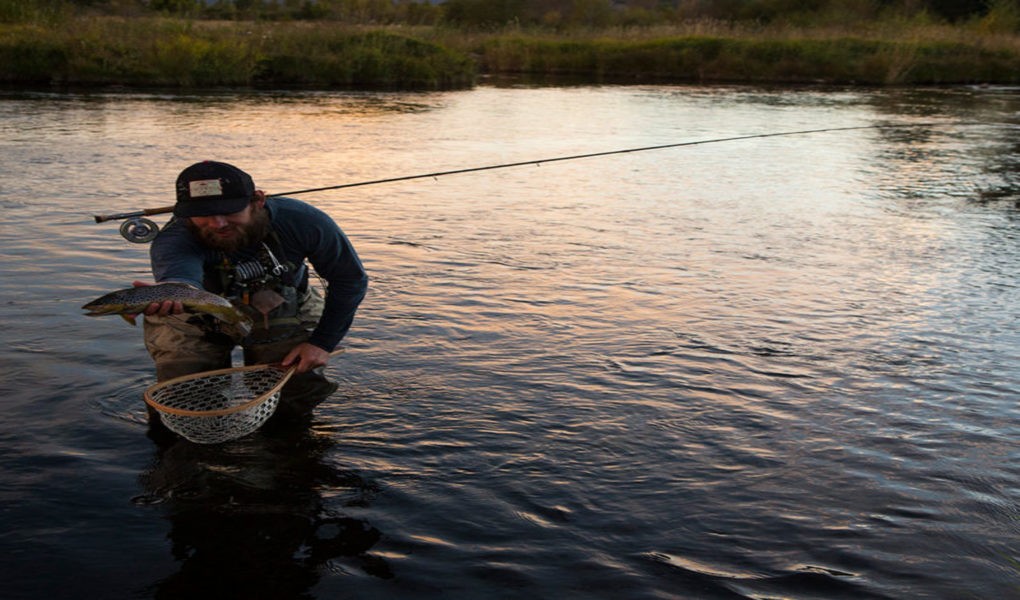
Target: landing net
(217, 406)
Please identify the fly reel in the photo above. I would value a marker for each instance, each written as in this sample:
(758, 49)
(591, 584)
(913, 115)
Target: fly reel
(139, 230)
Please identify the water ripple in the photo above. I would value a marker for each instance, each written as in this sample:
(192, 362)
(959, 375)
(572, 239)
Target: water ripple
(783, 369)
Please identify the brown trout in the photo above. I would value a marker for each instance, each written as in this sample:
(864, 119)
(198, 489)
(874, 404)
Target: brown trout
(129, 302)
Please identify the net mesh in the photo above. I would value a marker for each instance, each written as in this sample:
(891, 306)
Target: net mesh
(217, 406)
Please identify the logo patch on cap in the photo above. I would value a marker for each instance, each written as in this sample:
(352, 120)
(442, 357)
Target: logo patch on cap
(205, 187)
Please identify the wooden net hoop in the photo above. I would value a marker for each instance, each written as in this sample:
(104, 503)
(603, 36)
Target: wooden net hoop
(216, 406)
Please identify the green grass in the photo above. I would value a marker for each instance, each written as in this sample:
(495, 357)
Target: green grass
(846, 60)
(885, 53)
(183, 53)
(179, 53)
(374, 58)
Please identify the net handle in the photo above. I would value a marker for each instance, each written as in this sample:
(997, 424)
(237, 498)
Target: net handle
(222, 411)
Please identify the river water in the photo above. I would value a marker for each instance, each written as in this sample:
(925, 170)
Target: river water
(779, 367)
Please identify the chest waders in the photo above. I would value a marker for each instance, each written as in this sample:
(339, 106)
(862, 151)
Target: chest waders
(270, 291)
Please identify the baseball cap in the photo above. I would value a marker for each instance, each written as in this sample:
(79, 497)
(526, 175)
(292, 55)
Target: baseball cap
(212, 188)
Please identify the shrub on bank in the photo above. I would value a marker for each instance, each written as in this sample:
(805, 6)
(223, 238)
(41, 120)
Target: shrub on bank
(371, 58)
(170, 52)
(147, 51)
(741, 59)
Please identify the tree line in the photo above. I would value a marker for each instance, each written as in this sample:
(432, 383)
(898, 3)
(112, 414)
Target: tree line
(1003, 15)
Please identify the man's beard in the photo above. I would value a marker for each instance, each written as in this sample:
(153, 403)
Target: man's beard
(249, 235)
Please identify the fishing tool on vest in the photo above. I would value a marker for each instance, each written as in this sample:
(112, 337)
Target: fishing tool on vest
(217, 406)
(259, 283)
(258, 271)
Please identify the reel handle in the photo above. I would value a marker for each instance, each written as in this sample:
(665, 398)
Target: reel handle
(138, 213)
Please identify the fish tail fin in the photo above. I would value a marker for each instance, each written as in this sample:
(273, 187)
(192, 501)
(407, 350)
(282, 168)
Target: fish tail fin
(232, 316)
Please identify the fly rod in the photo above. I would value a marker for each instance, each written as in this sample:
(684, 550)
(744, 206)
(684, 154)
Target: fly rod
(142, 230)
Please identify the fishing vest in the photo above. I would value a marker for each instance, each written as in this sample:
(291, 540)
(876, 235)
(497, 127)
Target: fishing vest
(266, 286)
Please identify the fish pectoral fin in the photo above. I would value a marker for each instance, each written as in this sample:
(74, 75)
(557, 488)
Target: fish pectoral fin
(130, 319)
(245, 325)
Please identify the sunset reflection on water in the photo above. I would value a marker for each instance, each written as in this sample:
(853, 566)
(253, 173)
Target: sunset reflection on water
(755, 368)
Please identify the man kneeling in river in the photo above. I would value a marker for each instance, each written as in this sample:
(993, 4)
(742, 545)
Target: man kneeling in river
(229, 238)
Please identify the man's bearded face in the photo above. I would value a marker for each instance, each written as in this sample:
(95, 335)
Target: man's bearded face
(232, 232)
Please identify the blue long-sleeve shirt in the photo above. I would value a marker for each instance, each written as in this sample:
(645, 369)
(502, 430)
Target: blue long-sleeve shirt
(305, 233)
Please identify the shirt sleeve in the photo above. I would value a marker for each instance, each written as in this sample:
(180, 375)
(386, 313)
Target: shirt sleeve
(334, 259)
(176, 256)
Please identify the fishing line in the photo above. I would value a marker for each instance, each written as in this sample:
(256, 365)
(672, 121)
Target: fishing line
(542, 161)
(140, 230)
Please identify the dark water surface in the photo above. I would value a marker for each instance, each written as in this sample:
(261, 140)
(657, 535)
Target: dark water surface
(784, 367)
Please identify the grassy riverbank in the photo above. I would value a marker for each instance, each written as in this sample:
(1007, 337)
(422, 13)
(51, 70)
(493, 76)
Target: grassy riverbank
(722, 54)
(202, 54)
(185, 53)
